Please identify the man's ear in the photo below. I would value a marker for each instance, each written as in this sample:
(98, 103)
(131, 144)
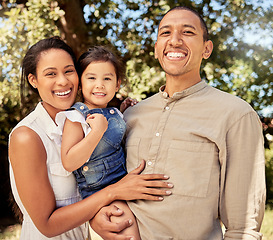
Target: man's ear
(155, 50)
(32, 80)
(207, 49)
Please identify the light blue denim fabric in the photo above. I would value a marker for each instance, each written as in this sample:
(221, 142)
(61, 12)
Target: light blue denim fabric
(107, 162)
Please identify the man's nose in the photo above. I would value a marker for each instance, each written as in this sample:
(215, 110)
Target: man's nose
(176, 39)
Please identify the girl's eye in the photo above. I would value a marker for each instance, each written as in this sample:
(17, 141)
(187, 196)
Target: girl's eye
(107, 79)
(91, 78)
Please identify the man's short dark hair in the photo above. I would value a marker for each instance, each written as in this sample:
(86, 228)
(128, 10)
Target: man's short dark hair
(202, 21)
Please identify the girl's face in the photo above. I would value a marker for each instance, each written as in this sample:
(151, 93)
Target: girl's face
(99, 84)
(56, 80)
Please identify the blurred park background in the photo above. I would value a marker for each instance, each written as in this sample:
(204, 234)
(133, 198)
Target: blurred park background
(241, 63)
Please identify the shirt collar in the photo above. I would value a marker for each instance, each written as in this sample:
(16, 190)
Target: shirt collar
(178, 95)
(46, 121)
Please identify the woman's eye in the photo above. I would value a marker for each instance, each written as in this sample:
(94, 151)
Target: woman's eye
(69, 71)
(50, 74)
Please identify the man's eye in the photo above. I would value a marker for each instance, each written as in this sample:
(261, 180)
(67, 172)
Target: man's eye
(165, 33)
(188, 32)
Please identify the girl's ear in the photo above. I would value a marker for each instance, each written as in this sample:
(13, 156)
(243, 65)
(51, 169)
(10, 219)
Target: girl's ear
(118, 85)
(32, 80)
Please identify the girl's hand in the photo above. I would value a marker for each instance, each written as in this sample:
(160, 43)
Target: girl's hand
(97, 122)
(145, 186)
(128, 102)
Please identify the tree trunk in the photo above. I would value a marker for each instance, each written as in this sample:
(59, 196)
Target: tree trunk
(72, 26)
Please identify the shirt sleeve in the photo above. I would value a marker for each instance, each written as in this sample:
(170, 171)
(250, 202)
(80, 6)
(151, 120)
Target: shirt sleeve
(72, 115)
(243, 199)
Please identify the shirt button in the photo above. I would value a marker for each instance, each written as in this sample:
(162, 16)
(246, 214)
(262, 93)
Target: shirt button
(167, 108)
(81, 107)
(85, 168)
(112, 111)
(149, 163)
(157, 134)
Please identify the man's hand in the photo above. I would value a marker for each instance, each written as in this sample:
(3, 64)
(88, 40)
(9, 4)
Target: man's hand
(102, 225)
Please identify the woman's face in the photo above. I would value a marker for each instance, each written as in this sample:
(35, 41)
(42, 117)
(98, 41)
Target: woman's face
(56, 80)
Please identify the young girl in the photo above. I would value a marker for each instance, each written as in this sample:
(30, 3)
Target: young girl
(93, 133)
(45, 192)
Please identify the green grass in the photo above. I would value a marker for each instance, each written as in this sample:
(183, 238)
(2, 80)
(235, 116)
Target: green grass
(267, 226)
(12, 232)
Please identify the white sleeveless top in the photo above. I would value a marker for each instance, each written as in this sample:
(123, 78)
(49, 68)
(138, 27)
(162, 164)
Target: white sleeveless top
(62, 181)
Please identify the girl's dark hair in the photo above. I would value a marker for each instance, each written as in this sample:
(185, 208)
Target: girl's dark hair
(102, 54)
(32, 57)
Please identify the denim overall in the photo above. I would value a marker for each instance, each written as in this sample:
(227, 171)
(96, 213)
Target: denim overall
(107, 162)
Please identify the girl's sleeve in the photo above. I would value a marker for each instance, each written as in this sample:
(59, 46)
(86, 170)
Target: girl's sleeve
(73, 116)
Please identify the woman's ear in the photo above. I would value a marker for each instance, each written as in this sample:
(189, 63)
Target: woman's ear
(32, 80)
(208, 49)
(118, 85)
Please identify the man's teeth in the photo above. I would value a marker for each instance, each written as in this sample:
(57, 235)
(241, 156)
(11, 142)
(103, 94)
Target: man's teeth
(175, 54)
(63, 93)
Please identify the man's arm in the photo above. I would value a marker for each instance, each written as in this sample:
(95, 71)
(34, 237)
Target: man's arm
(243, 200)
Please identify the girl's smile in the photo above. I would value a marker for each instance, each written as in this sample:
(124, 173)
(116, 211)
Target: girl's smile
(99, 84)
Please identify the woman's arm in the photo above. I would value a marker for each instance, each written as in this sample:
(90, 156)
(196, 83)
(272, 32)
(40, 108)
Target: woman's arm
(77, 149)
(28, 159)
(37, 196)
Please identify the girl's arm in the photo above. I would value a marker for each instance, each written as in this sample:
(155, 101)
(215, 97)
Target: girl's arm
(77, 149)
(37, 196)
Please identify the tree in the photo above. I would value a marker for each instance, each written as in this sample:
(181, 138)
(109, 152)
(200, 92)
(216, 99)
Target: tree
(129, 25)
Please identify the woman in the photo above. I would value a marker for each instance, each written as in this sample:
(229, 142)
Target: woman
(45, 192)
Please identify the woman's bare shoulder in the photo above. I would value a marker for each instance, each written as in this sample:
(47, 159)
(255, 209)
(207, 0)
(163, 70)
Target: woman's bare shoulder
(25, 142)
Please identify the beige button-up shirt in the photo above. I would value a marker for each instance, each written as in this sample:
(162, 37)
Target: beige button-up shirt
(210, 143)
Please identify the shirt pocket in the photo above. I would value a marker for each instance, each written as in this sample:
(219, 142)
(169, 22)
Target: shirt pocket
(132, 155)
(62, 182)
(189, 165)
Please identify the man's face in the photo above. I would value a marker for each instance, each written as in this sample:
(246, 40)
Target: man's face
(180, 47)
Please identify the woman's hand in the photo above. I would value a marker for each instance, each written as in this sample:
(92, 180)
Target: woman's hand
(145, 186)
(128, 102)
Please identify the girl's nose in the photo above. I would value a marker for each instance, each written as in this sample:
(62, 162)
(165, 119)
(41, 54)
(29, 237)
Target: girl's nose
(100, 85)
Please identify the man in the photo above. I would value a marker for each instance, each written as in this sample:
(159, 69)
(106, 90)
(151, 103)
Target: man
(209, 142)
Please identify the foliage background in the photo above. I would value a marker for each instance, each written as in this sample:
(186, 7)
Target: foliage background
(241, 63)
